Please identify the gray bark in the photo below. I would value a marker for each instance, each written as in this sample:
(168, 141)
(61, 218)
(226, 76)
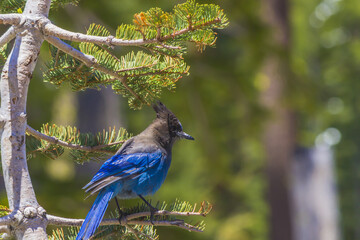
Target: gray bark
(29, 221)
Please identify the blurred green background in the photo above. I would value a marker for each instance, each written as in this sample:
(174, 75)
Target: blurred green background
(219, 104)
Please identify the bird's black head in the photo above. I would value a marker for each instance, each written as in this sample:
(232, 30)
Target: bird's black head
(174, 126)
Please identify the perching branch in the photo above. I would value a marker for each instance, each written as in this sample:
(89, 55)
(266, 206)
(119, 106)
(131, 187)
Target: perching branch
(12, 18)
(88, 60)
(54, 140)
(164, 213)
(176, 223)
(131, 220)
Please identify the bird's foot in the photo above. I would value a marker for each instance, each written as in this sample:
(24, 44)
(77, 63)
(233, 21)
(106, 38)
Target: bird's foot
(122, 215)
(122, 218)
(153, 210)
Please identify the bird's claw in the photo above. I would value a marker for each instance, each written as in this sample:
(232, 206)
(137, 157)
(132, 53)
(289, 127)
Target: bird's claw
(152, 214)
(122, 218)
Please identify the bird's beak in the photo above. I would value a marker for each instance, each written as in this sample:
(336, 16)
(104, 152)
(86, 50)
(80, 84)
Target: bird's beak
(185, 135)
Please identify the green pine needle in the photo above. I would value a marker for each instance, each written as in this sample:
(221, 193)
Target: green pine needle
(146, 73)
(72, 135)
(4, 52)
(4, 211)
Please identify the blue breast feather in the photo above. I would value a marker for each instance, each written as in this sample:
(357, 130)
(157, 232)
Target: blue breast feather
(133, 174)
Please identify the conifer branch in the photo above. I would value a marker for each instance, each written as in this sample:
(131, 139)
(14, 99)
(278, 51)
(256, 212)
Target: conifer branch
(55, 31)
(189, 29)
(135, 68)
(7, 36)
(61, 221)
(161, 72)
(12, 18)
(163, 217)
(166, 213)
(54, 140)
(154, 51)
(89, 61)
(175, 223)
(168, 47)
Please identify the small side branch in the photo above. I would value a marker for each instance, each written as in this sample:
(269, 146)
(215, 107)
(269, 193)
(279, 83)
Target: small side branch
(88, 60)
(61, 221)
(175, 223)
(12, 18)
(7, 36)
(6, 220)
(54, 140)
(4, 229)
(164, 213)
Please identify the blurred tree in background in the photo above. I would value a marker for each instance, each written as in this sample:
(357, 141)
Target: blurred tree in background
(221, 107)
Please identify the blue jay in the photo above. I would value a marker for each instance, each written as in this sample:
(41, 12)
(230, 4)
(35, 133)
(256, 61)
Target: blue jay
(137, 169)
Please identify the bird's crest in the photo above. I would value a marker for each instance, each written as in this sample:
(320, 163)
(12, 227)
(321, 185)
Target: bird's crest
(164, 114)
(162, 111)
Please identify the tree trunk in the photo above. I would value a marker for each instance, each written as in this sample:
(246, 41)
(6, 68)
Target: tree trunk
(314, 195)
(15, 79)
(279, 132)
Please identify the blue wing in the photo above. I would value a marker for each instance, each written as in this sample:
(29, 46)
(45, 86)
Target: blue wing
(122, 167)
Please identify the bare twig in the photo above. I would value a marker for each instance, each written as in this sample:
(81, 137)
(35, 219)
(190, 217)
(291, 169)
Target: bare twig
(164, 213)
(61, 221)
(168, 47)
(175, 223)
(161, 72)
(89, 61)
(12, 18)
(54, 140)
(7, 36)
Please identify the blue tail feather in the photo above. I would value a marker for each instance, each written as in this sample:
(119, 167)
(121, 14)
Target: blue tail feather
(96, 213)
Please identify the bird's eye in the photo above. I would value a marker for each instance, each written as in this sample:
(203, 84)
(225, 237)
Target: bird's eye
(174, 126)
